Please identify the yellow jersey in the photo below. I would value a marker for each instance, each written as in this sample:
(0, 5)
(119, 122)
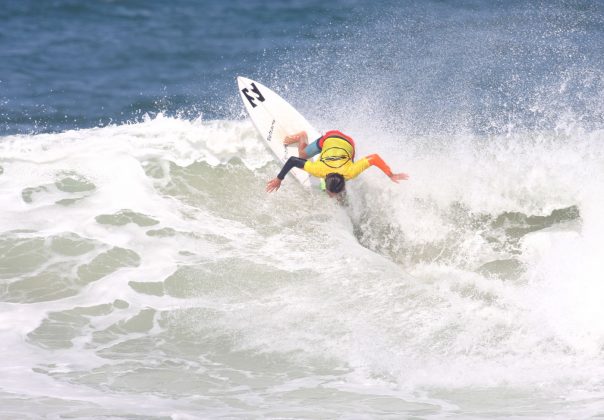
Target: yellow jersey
(337, 156)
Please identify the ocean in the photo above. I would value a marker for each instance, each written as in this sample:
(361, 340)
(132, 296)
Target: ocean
(146, 274)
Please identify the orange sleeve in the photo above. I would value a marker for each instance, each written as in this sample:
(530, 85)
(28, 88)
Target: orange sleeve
(376, 160)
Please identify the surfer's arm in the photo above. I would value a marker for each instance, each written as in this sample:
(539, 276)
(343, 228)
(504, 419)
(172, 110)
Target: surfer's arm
(376, 160)
(292, 162)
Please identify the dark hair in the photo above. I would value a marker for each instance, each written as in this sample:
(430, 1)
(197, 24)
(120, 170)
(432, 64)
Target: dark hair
(334, 183)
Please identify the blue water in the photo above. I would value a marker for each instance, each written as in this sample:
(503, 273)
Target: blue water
(72, 64)
(436, 64)
(145, 272)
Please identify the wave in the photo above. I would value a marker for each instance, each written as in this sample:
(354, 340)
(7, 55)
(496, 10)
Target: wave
(150, 253)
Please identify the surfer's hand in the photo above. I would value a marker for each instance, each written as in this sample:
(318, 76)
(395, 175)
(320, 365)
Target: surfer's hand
(399, 177)
(273, 185)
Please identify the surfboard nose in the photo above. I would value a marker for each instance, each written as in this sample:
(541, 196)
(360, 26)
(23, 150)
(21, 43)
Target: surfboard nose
(242, 80)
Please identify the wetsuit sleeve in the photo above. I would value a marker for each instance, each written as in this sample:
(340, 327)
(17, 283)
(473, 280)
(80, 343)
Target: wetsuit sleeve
(376, 160)
(356, 168)
(292, 162)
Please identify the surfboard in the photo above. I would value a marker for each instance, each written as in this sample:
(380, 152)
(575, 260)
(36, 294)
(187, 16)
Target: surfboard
(275, 118)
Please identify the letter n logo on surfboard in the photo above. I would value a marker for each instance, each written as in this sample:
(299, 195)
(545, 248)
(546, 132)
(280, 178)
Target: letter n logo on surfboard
(250, 98)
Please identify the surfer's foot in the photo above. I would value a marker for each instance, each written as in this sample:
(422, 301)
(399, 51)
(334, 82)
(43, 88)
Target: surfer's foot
(291, 140)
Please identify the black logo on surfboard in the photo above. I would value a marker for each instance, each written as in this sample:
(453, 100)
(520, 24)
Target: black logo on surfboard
(270, 132)
(254, 89)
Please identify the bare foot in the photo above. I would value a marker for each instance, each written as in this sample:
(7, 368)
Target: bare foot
(295, 138)
(290, 140)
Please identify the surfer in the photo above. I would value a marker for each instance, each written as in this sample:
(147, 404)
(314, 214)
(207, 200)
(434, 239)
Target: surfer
(336, 163)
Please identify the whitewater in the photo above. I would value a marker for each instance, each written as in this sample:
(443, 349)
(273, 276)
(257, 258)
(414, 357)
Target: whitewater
(145, 273)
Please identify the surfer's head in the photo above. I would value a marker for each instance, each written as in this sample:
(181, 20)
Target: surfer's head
(334, 183)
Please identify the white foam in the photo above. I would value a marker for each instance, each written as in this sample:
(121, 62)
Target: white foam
(411, 313)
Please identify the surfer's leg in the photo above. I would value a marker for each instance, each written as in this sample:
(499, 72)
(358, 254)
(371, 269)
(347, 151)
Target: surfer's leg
(302, 139)
(309, 150)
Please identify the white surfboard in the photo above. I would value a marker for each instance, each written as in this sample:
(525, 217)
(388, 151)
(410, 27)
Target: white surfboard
(275, 119)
